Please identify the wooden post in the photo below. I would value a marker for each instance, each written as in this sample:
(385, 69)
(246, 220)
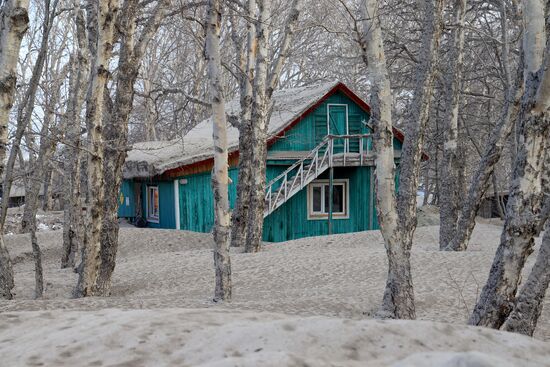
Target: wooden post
(330, 195)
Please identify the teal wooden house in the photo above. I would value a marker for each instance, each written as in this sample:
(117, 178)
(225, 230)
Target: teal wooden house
(319, 174)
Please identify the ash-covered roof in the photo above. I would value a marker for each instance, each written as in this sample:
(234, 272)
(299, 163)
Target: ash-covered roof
(153, 158)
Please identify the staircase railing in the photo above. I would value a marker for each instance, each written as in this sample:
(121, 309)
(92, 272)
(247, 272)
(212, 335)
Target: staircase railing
(302, 172)
(316, 158)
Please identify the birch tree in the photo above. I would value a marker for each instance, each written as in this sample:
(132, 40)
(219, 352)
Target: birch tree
(55, 72)
(107, 11)
(133, 46)
(26, 106)
(220, 174)
(450, 184)
(528, 304)
(498, 138)
(524, 211)
(14, 21)
(256, 103)
(247, 62)
(48, 143)
(397, 215)
(79, 77)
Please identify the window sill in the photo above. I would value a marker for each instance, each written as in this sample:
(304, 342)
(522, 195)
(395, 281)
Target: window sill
(325, 217)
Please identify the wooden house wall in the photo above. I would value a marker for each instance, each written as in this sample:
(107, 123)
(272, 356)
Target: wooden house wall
(167, 211)
(197, 202)
(127, 205)
(290, 220)
(309, 132)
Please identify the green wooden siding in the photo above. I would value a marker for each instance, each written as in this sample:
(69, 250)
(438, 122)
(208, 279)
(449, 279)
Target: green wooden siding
(290, 221)
(309, 132)
(167, 211)
(127, 205)
(197, 201)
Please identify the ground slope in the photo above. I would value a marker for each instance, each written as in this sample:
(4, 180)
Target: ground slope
(339, 276)
(202, 337)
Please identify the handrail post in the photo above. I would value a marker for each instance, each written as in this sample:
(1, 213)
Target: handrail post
(302, 177)
(286, 185)
(361, 151)
(330, 152)
(346, 141)
(270, 187)
(316, 163)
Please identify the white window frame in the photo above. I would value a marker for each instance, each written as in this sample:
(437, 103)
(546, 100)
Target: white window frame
(323, 215)
(151, 217)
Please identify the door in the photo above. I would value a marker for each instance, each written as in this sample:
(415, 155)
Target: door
(338, 124)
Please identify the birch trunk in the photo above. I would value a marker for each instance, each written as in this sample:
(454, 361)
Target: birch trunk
(116, 131)
(32, 190)
(239, 227)
(497, 140)
(398, 229)
(386, 204)
(37, 255)
(46, 150)
(107, 11)
(419, 112)
(265, 82)
(496, 195)
(531, 172)
(449, 179)
(220, 174)
(73, 224)
(258, 150)
(14, 21)
(150, 114)
(529, 302)
(25, 109)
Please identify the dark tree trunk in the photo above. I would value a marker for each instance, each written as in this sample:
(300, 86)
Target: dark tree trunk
(523, 211)
(528, 305)
(116, 131)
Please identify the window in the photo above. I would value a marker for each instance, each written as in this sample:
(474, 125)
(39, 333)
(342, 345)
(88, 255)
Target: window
(318, 199)
(153, 203)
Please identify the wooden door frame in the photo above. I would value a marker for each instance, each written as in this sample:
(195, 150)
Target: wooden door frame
(329, 105)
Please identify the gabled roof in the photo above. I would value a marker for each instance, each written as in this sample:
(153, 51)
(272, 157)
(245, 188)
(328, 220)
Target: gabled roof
(290, 106)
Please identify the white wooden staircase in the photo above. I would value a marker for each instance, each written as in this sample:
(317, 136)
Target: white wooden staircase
(333, 151)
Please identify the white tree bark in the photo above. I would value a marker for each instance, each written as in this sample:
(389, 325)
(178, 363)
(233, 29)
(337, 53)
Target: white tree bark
(260, 111)
(531, 172)
(397, 216)
(530, 300)
(14, 20)
(107, 12)
(381, 117)
(239, 227)
(25, 110)
(73, 224)
(265, 82)
(220, 174)
(450, 166)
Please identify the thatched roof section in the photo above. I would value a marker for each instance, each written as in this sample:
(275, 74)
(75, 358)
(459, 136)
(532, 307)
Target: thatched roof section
(154, 158)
